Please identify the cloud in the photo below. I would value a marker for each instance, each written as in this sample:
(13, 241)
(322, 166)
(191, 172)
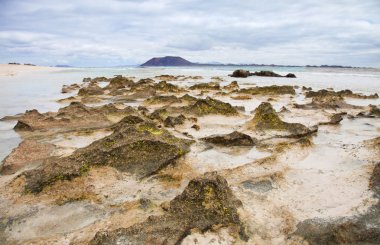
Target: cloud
(116, 32)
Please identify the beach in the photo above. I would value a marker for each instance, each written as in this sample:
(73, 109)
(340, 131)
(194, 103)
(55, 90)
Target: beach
(189, 155)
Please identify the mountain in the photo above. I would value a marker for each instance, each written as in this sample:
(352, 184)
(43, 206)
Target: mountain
(168, 61)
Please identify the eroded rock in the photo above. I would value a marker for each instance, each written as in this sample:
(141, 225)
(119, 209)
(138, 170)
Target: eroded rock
(207, 201)
(269, 90)
(233, 139)
(138, 148)
(210, 106)
(266, 118)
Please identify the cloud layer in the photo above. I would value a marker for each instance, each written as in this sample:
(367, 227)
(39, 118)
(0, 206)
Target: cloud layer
(117, 32)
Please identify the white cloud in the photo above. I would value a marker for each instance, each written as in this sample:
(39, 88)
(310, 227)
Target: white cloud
(94, 32)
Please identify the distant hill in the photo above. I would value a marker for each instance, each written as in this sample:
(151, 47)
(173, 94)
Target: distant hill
(168, 61)
(63, 66)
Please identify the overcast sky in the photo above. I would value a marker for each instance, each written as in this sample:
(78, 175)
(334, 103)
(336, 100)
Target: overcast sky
(122, 32)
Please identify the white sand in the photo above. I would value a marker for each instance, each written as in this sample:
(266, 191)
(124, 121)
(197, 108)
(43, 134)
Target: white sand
(13, 70)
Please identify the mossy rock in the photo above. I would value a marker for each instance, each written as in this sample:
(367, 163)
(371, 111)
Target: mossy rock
(266, 118)
(269, 90)
(211, 106)
(207, 201)
(206, 86)
(138, 148)
(233, 139)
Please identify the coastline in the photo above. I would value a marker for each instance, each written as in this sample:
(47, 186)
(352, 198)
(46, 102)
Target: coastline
(14, 70)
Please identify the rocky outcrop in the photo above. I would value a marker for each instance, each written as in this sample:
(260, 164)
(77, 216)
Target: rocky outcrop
(90, 90)
(168, 61)
(266, 118)
(119, 82)
(245, 73)
(240, 73)
(209, 106)
(334, 119)
(269, 90)
(69, 88)
(75, 115)
(206, 86)
(343, 93)
(207, 201)
(232, 86)
(27, 152)
(171, 121)
(136, 147)
(233, 139)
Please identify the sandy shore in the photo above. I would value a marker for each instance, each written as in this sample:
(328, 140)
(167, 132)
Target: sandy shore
(13, 70)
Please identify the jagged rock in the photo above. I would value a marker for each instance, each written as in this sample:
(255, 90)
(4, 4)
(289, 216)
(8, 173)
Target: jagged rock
(233, 139)
(206, 86)
(74, 115)
(266, 118)
(138, 148)
(334, 119)
(269, 90)
(173, 121)
(168, 77)
(119, 82)
(374, 182)
(28, 151)
(90, 90)
(162, 99)
(343, 93)
(206, 201)
(210, 106)
(325, 102)
(373, 111)
(69, 88)
(240, 73)
(159, 114)
(164, 86)
(232, 86)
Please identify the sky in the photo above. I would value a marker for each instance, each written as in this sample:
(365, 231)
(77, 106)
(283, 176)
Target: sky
(128, 32)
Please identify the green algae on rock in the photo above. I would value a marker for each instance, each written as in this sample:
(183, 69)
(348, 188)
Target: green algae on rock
(211, 106)
(269, 90)
(207, 201)
(138, 148)
(206, 86)
(266, 118)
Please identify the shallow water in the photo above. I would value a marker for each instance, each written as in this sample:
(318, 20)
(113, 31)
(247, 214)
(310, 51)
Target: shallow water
(40, 89)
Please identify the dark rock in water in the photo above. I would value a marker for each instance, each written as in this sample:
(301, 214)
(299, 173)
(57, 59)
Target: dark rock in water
(334, 119)
(210, 106)
(266, 118)
(266, 74)
(206, 201)
(69, 88)
(290, 75)
(240, 73)
(173, 121)
(307, 88)
(272, 74)
(233, 139)
(206, 86)
(269, 90)
(138, 148)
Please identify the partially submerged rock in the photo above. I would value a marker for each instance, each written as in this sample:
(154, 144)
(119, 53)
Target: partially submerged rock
(138, 148)
(269, 90)
(266, 118)
(334, 119)
(69, 88)
(240, 73)
(232, 86)
(90, 90)
(233, 139)
(119, 82)
(207, 201)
